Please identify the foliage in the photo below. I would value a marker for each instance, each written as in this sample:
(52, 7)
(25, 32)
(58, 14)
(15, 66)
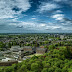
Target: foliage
(54, 61)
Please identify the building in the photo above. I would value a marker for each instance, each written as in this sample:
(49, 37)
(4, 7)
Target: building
(7, 59)
(16, 51)
(9, 63)
(27, 48)
(21, 54)
(62, 37)
(41, 46)
(15, 48)
(41, 50)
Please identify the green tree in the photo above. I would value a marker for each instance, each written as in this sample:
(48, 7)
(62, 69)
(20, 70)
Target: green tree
(34, 67)
(23, 68)
(45, 70)
(9, 45)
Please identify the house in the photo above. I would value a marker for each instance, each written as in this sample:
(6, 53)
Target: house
(21, 54)
(41, 50)
(27, 48)
(9, 63)
(41, 46)
(15, 48)
(69, 39)
(7, 59)
(62, 37)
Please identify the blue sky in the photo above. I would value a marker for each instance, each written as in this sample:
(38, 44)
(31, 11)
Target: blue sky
(35, 16)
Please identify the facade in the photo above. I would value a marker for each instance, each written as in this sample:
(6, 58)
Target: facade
(21, 54)
(62, 37)
(16, 51)
(41, 50)
(7, 59)
(41, 46)
(27, 48)
(15, 48)
(9, 63)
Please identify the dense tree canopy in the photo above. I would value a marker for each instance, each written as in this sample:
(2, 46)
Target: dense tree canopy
(54, 61)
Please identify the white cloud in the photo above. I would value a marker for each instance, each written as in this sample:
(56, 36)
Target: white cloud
(47, 7)
(60, 0)
(58, 16)
(14, 25)
(57, 0)
(42, 25)
(66, 28)
(23, 4)
(53, 27)
(28, 25)
(33, 18)
(25, 15)
(7, 6)
(69, 2)
(58, 11)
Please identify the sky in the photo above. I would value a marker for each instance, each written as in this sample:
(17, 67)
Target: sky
(35, 16)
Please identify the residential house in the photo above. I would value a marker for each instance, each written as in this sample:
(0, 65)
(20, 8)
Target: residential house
(27, 48)
(41, 50)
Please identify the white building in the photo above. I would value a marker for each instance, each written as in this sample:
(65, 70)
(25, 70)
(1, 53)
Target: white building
(62, 37)
(7, 59)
